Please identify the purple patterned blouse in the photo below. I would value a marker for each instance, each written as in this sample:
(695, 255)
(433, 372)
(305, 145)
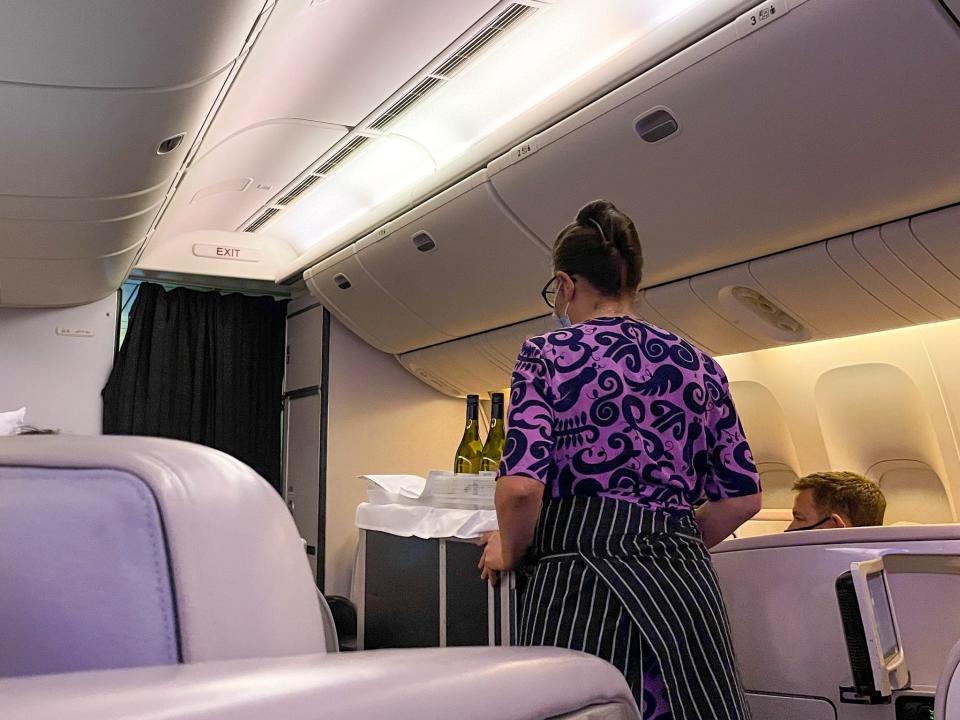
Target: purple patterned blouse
(619, 408)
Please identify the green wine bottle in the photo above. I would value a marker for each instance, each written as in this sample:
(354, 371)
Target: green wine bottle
(470, 449)
(493, 448)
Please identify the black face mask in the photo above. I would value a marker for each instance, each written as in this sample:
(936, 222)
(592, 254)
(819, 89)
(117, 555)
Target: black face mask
(810, 527)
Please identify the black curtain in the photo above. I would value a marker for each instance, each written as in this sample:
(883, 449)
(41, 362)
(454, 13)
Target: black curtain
(203, 367)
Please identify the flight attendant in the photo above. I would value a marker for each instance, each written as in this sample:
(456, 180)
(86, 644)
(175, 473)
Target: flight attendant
(616, 430)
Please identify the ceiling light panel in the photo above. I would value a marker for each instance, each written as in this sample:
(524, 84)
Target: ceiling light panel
(383, 167)
(516, 62)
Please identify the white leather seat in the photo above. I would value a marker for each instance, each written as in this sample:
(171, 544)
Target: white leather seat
(914, 492)
(777, 479)
(121, 553)
(947, 703)
(126, 552)
(461, 683)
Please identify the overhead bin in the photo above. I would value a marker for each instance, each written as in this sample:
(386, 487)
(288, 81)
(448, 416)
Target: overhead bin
(105, 144)
(457, 368)
(644, 310)
(819, 291)
(67, 239)
(365, 307)
(794, 296)
(101, 121)
(870, 245)
(834, 117)
(808, 284)
(65, 281)
(732, 294)
(503, 346)
(697, 319)
(850, 253)
(938, 233)
(901, 238)
(460, 261)
(476, 364)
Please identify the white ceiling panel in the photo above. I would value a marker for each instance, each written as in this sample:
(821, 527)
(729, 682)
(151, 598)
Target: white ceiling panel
(336, 61)
(137, 44)
(268, 156)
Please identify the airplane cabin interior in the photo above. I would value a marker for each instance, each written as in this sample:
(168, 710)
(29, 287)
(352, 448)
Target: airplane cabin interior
(319, 227)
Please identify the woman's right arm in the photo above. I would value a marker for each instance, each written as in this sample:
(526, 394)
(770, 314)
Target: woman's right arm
(719, 518)
(526, 462)
(732, 485)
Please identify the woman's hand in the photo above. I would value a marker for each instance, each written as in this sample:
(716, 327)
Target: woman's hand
(491, 562)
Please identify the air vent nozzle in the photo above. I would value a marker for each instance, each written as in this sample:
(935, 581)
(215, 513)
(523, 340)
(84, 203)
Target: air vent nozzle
(775, 321)
(656, 125)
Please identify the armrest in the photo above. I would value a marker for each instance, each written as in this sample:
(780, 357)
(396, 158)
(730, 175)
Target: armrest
(465, 683)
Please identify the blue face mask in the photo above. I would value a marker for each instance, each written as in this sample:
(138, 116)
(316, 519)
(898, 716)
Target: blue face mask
(563, 320)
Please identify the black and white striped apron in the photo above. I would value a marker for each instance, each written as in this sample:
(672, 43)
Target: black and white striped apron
(633, 586)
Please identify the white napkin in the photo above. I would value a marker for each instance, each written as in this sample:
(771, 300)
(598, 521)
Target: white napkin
(425, 522)
(408, 486)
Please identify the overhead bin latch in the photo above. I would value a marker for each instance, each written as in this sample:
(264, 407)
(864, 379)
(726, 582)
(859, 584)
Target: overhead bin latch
(170, 144)
(423, 242)
(656, 125)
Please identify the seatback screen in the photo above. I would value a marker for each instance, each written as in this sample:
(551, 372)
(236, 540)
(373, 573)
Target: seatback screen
(881, 606)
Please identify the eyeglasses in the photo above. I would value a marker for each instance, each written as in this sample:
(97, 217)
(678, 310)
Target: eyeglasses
(549, 292)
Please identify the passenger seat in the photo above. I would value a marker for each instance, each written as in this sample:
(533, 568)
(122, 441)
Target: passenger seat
(121, 554)
(127, 552)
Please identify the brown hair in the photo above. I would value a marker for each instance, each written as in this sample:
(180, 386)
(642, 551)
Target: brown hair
(846, 493)
(602, 246)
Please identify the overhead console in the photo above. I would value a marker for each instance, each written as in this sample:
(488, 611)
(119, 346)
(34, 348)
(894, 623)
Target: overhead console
(850, 285)
(736, 158)
(100, 105)
(825, 290)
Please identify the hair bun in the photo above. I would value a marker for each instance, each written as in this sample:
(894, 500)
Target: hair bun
(596, 211)
(613, 265)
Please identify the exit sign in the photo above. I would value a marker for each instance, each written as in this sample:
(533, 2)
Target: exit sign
(226, 252)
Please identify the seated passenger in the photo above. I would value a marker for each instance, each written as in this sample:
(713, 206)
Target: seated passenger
(836, 500)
